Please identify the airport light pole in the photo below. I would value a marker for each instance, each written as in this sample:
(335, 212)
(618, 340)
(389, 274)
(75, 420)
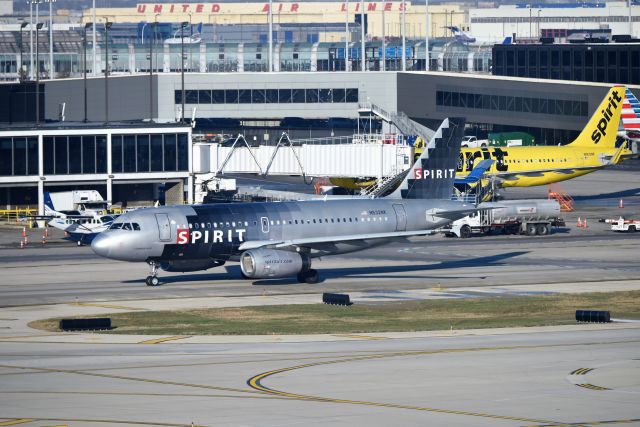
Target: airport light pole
(384, 44)
(362, 34)
(151, 40)
(38, 26)
(426, 35)
(630, 24)
(84, 66)
(182, 25)
(107, 25)
(51, 70)
(403, 5)
(20, 75)
(270, 26)
(346, 37)
(31, 39)
(93, 40)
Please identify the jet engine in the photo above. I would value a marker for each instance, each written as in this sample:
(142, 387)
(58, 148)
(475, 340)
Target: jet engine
(184, 266)
(270, 263)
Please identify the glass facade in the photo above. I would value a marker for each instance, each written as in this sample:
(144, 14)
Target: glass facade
(75, 154)
(605, 63)
(512, 103)
(18, 156)
(167, 152)
(268, 96)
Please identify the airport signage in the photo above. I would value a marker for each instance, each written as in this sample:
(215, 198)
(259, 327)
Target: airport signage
(252, 8)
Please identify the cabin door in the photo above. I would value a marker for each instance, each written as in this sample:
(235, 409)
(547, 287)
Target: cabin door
(401, 218)
(164, 229)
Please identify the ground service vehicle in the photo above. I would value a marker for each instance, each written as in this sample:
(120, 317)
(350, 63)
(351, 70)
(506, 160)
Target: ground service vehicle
(531, 217)
(625, 225)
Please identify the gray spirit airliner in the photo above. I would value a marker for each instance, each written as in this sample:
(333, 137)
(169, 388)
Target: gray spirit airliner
(279, 239)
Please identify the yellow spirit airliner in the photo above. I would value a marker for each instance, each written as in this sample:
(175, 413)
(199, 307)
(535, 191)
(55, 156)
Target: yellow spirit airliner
(594, 149)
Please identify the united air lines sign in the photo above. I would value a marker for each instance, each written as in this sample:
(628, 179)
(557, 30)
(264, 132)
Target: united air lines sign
(252, 8)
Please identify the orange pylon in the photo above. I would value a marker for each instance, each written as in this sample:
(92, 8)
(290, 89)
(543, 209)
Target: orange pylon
(579, 223)
(46, 232)
(24, 231)
(584, 225)
(621, 204)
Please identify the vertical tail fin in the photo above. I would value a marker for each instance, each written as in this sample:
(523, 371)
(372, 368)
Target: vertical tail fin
(48, 205)
(630, 111)
(602, 129)
(433, 174)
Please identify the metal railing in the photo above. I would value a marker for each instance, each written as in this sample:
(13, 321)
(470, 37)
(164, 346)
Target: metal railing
(17, 216)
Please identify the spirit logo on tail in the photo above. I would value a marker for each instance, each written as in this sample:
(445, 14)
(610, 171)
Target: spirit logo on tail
(607, 114)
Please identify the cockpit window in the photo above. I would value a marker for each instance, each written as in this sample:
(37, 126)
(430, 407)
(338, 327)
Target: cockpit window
(129, 226)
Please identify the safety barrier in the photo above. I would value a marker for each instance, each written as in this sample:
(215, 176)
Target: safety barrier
(89, 324)
(17, 216)
(593, 316)
(336, 299)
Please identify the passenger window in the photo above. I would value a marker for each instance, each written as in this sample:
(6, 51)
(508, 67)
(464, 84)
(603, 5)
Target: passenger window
(233, 224)
(314, 221)
(338, 219)
(117, 226)
(246, 224)
(136, 226)
(126, 226)
(296, 221)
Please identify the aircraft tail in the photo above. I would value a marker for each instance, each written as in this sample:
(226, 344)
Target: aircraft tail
(602, 129)
(630, 111)
(48, 204)
(433, 174)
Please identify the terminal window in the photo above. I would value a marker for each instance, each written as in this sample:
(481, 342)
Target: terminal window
(74, 154)
(132, 153)
(512, 103)
(18, 156)
(268, 96)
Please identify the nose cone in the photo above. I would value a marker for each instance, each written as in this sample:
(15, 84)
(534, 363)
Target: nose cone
(101, 245)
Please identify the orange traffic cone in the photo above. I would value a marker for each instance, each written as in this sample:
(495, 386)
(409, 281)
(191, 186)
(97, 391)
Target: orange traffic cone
(24, 231)
(579, 223)
(584, 225)
(621, 204)
(26, 240)
(46, 232)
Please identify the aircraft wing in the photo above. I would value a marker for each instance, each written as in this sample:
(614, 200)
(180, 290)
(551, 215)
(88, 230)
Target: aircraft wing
(311, 241)
(507, 176)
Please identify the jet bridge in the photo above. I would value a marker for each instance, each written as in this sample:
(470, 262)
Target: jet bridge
(349, 157)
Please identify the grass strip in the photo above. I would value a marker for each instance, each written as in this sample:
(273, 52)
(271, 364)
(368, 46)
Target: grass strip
(492, 312)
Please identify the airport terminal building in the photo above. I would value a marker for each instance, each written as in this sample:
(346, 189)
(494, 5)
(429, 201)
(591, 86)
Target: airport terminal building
(125, 162)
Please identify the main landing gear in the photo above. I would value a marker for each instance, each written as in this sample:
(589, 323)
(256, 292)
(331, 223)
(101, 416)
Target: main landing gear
(152, 279)
(310, 276)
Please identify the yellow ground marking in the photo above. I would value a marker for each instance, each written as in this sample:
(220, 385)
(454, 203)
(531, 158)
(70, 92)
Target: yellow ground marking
(592, 387)
(360, 337)
(116, 393)
(144, 380)
(255, 382)
(591, 423)
(581, 371)
(105, 421)
(165, 339)
(116, 307)
(16, 421)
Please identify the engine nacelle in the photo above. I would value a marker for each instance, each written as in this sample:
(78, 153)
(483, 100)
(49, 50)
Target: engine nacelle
(183, 266)
(270, 263)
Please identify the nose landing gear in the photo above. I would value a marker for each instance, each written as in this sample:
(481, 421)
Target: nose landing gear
(152, 279)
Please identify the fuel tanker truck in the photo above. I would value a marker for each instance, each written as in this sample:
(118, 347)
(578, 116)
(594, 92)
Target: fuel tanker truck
(530, 217)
